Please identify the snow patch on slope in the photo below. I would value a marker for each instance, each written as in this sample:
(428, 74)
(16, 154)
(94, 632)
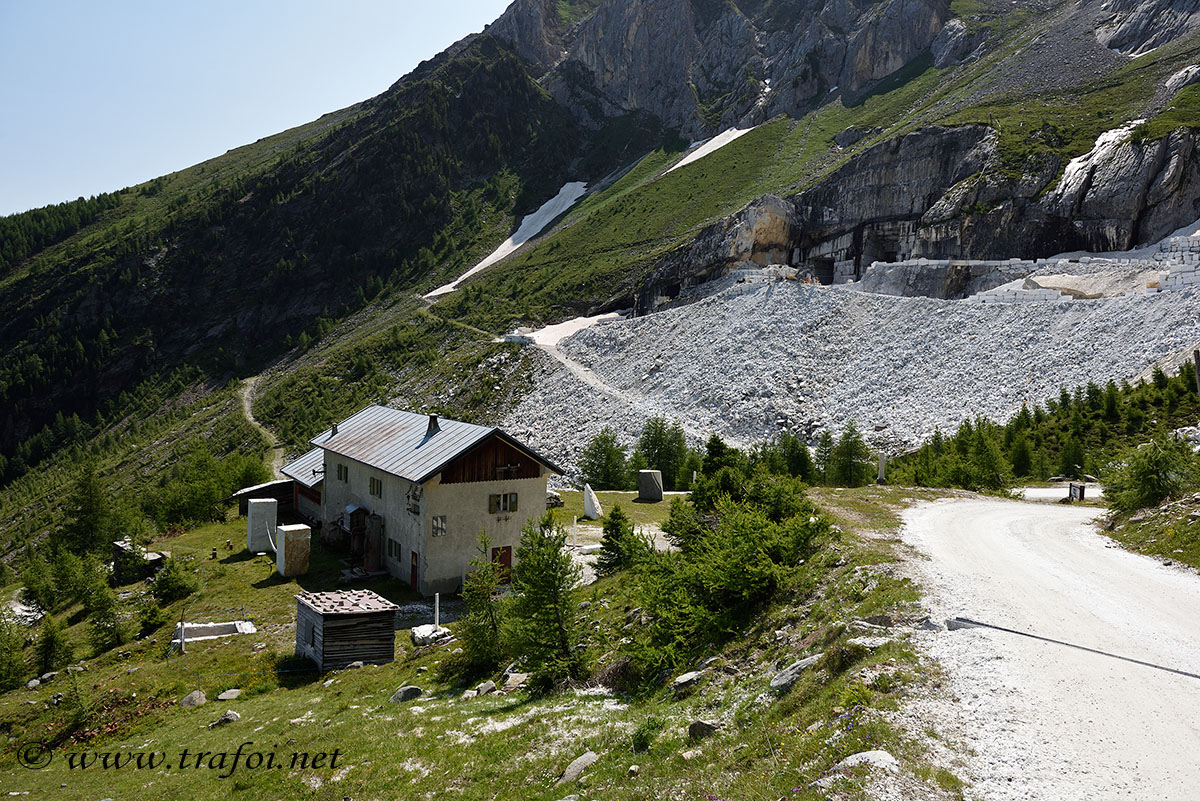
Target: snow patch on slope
(710, 146)
(531, 226)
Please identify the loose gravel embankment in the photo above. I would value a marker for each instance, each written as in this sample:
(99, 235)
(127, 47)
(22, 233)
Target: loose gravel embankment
(747, 363)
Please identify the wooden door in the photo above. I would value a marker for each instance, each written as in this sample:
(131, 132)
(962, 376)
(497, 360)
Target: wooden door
(415, 578)
(504, 557)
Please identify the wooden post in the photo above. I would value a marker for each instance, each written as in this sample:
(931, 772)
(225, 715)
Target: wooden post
(182, 630)
(1196, 368)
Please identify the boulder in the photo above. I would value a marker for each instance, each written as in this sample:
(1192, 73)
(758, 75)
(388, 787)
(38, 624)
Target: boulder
(468, 695)
(878, 759)
(32, 684)
(229, 695)
(592, 510)
(870, 643)
(700, 729)
(650, 486)
(194, 698)
(406, 693)
(429, 634)
(688, 680)
(486, 687)
(515, 681)
(578, 766)
(784, 679)
(229, 717)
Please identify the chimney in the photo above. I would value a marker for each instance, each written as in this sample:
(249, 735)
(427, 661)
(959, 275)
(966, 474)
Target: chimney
(334, 431)
(433, 426)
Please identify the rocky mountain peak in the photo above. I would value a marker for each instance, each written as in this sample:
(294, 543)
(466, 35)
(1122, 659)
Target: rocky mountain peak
(704, 65)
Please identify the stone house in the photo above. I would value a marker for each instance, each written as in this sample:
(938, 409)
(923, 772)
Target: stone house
(411, 493)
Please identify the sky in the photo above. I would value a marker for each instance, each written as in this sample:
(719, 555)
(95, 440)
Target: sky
(97, 96)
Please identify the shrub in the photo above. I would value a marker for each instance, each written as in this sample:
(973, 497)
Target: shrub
(1160, 469)
(643, 736)
(54, 648)
(106, 625)
(172, 582)
(12, 658)
(151, 616)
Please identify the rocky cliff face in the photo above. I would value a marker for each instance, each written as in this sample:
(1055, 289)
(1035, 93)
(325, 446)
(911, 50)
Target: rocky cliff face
(940, 193)
(705, 65)
(1133, 27)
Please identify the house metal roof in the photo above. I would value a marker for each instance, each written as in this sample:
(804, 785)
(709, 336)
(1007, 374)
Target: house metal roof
(301, 469)
(397, 442)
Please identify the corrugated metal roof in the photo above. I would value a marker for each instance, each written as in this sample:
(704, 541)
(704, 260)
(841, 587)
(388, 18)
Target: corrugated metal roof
(302, 468)
(396, 442)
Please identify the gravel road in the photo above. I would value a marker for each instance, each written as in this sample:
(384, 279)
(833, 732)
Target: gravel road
(1042, 720)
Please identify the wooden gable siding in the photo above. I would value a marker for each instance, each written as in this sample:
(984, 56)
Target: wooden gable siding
(491, 460)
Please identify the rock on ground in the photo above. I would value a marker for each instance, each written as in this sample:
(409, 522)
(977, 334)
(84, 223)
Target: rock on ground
(406, 693)
(578, 766)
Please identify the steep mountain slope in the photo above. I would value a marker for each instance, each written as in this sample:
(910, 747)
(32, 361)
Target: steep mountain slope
(897, 128)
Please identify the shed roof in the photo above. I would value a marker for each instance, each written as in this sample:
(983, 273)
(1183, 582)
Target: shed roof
(399, 442)
(302, 468)
(346, 602)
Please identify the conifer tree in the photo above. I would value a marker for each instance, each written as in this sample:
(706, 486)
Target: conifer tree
(544, 626)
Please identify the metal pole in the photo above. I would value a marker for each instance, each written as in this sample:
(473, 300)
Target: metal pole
(182, 630)
(437, 610)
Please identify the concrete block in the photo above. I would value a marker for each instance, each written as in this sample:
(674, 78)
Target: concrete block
(650, 485)
(292, 546)
(261, 516)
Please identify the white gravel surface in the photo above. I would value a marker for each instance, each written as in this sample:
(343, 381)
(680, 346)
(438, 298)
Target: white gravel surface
(1041, 720)
(749, 361)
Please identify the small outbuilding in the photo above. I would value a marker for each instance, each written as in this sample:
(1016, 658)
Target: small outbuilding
(334, 629)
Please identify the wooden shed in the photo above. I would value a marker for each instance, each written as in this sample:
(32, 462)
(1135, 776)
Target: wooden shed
(334, 629)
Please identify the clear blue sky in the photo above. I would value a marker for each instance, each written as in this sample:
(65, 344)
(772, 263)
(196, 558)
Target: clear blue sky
(96, 96)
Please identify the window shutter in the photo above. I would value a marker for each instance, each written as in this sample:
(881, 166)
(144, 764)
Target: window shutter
(493, 504)
(512, 502)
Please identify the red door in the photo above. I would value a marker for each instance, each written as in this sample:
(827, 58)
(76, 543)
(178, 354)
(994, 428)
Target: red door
(504, 557)
(415, 579)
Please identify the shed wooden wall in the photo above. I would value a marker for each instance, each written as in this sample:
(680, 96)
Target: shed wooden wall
(338, 640)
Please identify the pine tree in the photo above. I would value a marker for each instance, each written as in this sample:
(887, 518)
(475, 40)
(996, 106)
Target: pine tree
(481, 628)
(53, 645)
(545, 629)
(603, 461)
(664, 447)
(850, 462)
(12, 660)
(621, 546)
(1021, 457)
(824, 455)
(87, 526)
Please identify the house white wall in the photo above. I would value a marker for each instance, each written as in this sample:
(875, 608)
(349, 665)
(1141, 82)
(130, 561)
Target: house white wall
(400, 523)
(442, 561)
(466, 509)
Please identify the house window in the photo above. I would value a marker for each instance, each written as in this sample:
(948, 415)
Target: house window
(504, 502)
(439, 525)
(343, 472)
(393, 549)
(377, 487)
